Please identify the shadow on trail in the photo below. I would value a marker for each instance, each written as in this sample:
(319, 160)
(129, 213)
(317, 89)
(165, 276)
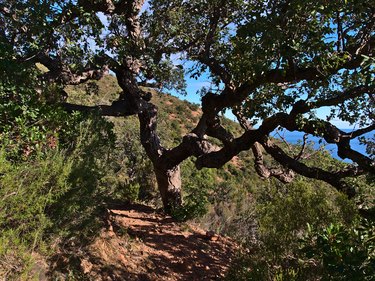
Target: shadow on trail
(143, 244)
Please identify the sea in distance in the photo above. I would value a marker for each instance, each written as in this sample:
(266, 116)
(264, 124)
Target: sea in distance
(297, 138)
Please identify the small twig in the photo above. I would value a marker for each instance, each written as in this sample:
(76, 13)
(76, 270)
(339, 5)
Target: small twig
(283, 139)
(8, 195)
(309, 155)
(301, 153)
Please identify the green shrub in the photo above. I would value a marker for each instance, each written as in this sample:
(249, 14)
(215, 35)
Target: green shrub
(26, 191)
(197, 185)
(332, 253)
(255, 265)
(284, 211)
(134, 173)
(57, 194)
(340, 252)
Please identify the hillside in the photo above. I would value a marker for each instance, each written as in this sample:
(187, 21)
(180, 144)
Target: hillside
(233, 200)
(179, 116)
(84, 205)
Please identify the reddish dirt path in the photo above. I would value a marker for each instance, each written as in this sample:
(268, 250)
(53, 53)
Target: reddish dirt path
(142, 244)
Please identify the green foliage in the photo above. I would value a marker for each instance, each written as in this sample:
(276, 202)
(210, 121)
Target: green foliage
(19, 111)
(282, 213)
(197, 187)
(26, 191)
(232, 204)
(255, 266)
(55, 194)
(31, 122)
(341, 252)
(29, 128)
(134, 171)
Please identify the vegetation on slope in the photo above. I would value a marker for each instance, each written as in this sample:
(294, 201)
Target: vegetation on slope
(54, 189)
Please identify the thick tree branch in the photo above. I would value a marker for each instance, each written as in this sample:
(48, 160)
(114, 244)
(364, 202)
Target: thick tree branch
(333, 178)
(324, 129)
(216, 130)
(331, 134)
(218, 158)
(360, 132)
(4, 10)
(230, 97)
(283, 175)
(242, 120)
(146, 84)
(118, 108)
(61, 73)
(340, 97)
(191, 145)
(66, 77)
(149, 138)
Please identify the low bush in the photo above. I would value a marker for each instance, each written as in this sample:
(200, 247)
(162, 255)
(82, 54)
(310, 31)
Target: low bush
(285, 249)
(26, 191)
(52, 196)
(339, 252)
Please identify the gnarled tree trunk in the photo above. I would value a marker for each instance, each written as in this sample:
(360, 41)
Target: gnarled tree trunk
(168, 176)
(169, 185)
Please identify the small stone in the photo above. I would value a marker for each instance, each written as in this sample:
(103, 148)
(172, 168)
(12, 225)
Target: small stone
(86, 266)
(212, 236)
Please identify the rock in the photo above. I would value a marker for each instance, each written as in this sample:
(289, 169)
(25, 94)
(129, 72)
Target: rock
(86, 266)
(212, 236)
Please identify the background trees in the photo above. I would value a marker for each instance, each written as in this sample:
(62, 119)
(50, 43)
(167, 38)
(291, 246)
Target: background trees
(272, 63)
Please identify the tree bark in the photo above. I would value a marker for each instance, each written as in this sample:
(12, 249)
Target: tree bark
(169, 184)
(167, 175)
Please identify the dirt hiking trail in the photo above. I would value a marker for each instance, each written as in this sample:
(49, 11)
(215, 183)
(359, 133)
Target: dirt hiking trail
(141, 244)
